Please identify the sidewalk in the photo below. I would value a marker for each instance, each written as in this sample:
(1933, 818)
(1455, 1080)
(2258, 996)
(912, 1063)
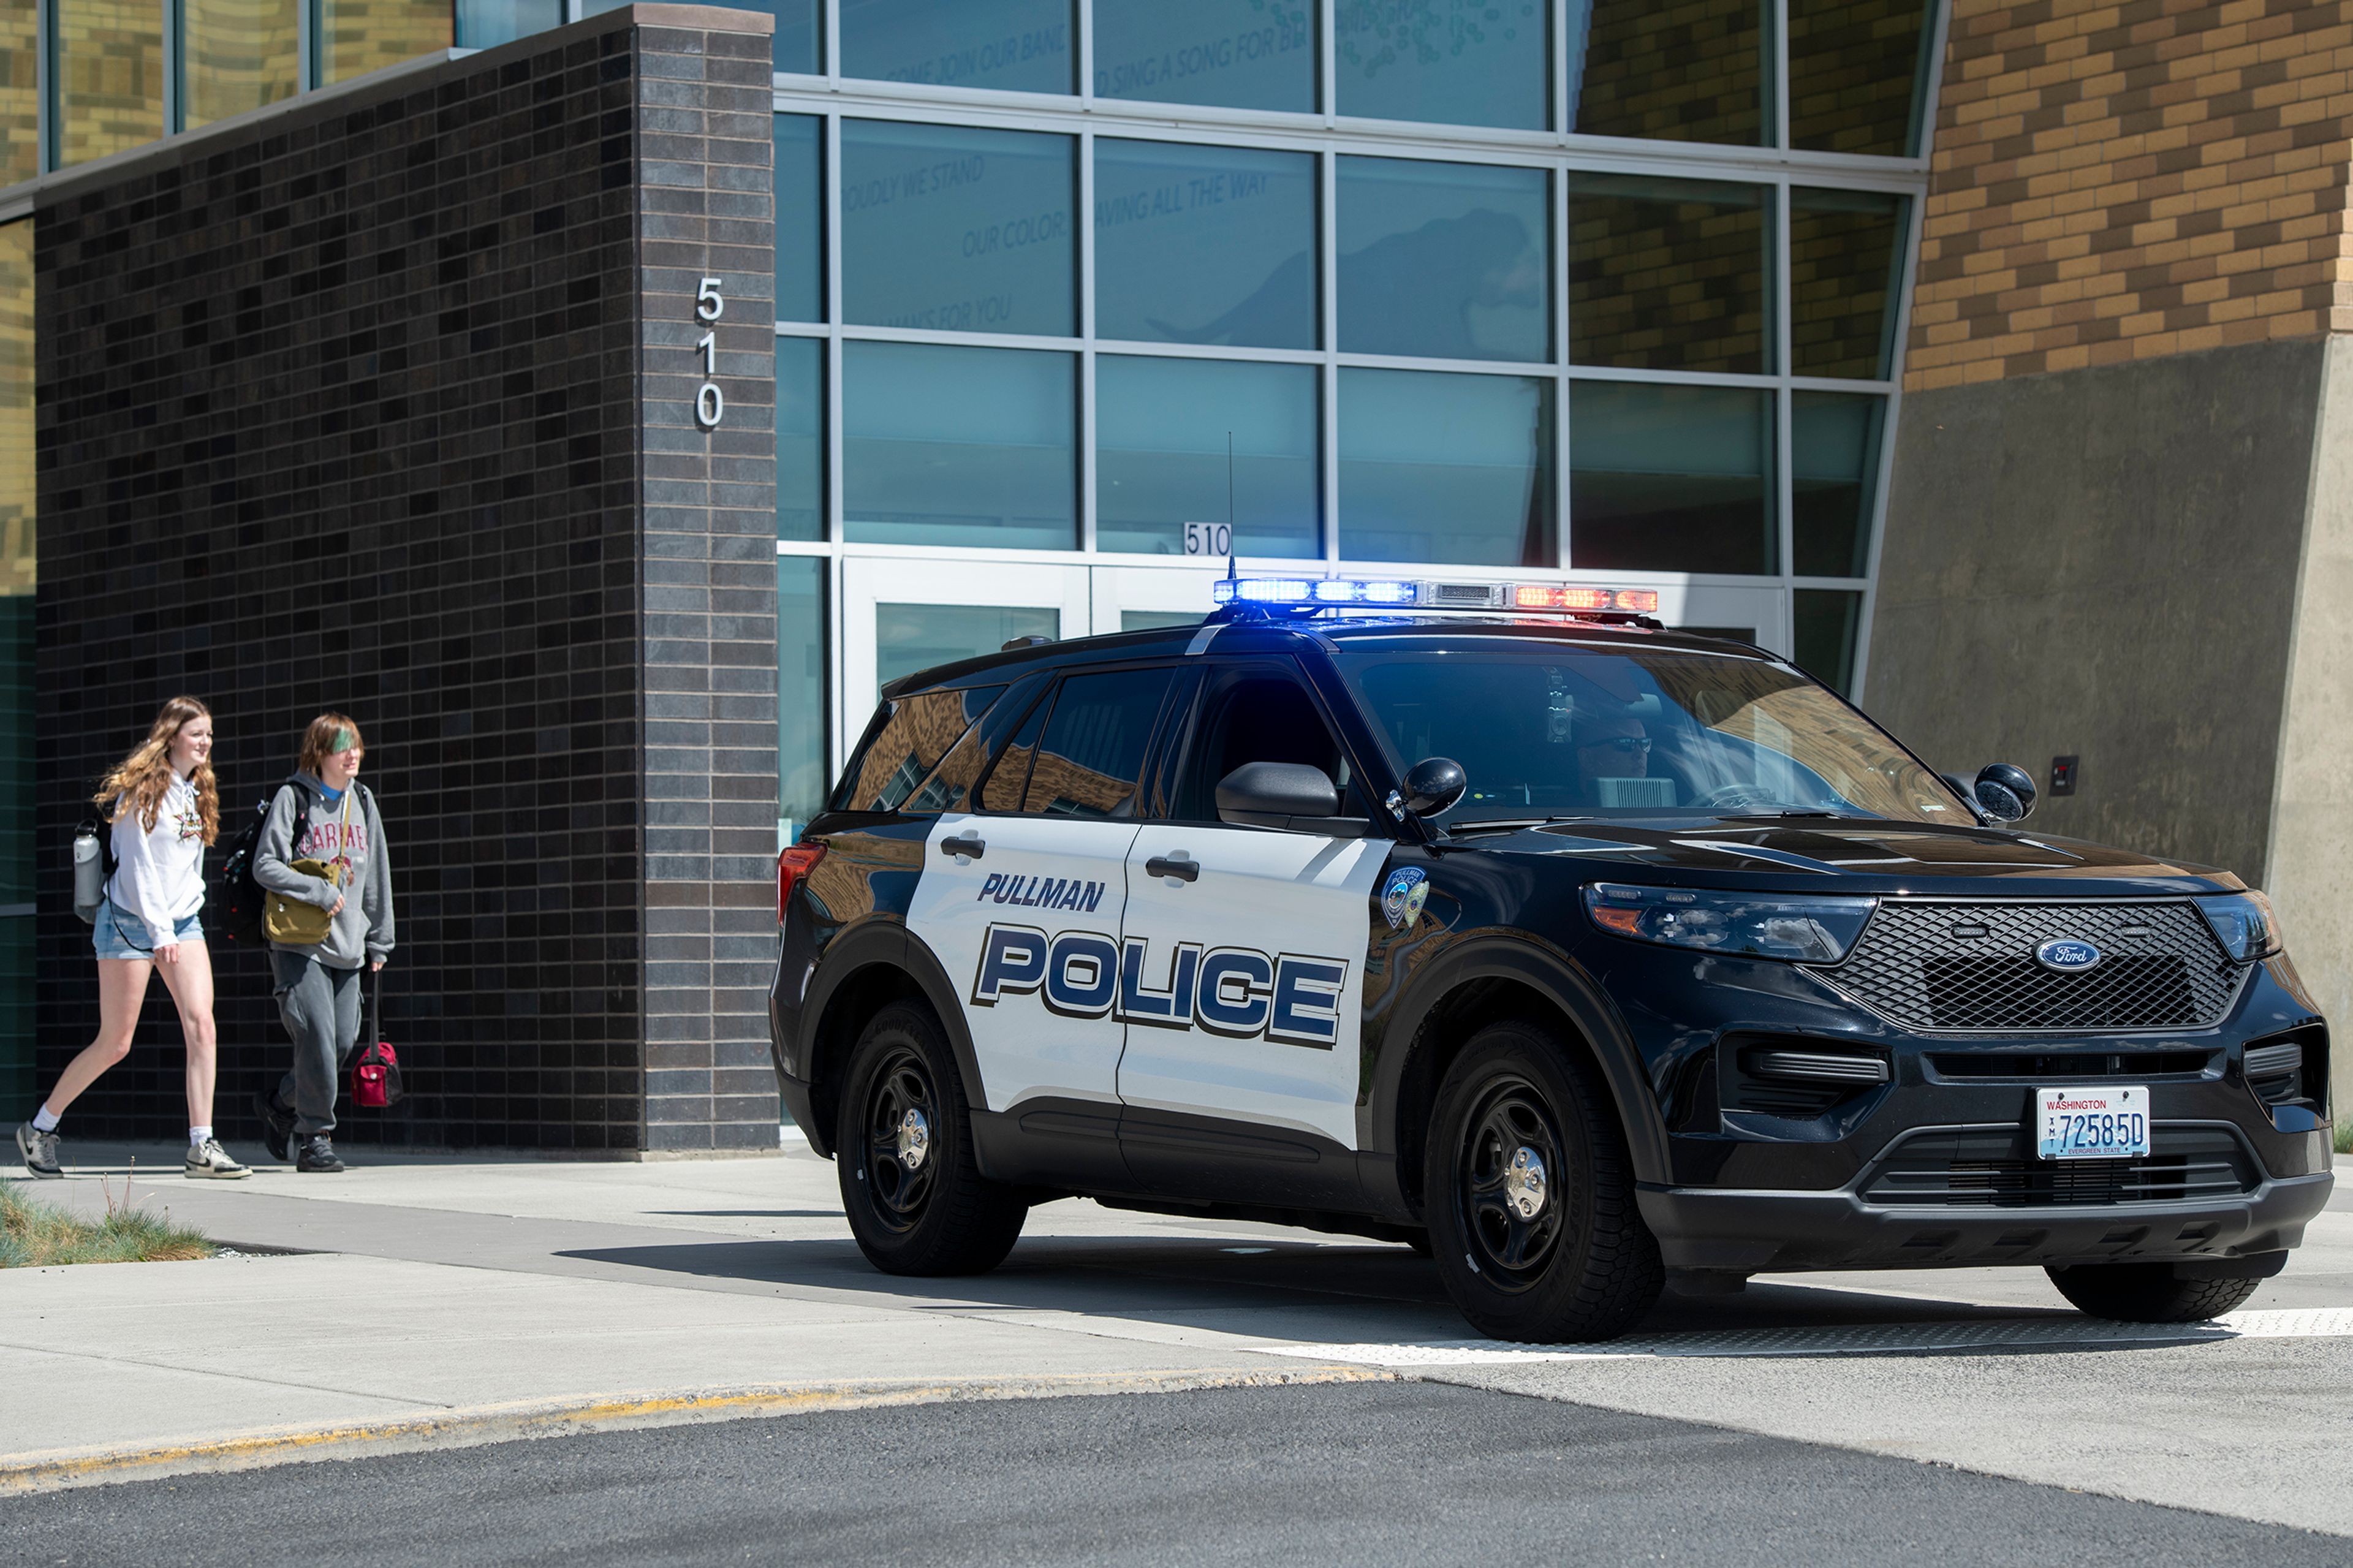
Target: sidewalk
(421, 1301)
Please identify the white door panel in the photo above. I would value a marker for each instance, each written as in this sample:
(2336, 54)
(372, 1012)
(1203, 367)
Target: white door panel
(1243, 989)
(1028, 932)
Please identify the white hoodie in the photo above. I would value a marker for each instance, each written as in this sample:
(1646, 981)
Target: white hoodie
(160, 879)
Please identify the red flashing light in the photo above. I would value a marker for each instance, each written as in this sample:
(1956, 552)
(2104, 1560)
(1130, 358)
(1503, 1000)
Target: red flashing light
(792, 865)
(1558, 596)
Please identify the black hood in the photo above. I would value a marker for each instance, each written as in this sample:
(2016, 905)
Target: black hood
(1863, 855)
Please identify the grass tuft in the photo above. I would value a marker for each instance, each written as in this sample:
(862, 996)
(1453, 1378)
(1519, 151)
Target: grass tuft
(2345, 1136)
(37, 1235)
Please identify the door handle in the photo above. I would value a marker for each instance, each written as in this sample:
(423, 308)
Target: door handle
(966, 843)
(1183, 870)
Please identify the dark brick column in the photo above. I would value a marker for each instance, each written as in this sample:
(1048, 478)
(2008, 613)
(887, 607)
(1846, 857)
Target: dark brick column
(385, 402)
(707, 195)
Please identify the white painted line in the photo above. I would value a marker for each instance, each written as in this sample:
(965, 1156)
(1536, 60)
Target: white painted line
(1873, 1339)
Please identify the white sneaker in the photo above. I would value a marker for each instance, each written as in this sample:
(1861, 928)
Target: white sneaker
(209, 1159)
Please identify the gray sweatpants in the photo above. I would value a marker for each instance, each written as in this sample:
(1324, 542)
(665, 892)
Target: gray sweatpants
(320, 1007)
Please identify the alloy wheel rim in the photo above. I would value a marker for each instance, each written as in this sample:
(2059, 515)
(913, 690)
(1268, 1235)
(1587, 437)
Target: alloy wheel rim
(1508, 1184)
(900, 1121)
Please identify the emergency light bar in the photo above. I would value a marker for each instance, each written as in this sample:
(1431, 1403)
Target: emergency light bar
(1311, 593)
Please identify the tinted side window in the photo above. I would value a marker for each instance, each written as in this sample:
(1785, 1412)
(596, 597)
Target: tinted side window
(921, 730)
(1257, 716)
(1003, 789)
(1091, 752)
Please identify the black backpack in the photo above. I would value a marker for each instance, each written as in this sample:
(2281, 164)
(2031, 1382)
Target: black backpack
(241, 898)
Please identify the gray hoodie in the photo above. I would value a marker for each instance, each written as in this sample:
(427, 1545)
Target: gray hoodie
(362, 934)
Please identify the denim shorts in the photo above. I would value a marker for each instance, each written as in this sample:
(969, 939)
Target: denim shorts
(118, 935)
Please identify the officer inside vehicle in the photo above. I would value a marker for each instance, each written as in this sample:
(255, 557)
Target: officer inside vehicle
(1610, 744)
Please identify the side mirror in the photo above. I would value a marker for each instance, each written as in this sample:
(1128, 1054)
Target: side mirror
(1433, 784)
(2004, 792)
(1278, 794)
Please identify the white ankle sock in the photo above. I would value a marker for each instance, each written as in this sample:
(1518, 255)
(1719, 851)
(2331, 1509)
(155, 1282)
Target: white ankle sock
(45, 1121)
(197, 1135)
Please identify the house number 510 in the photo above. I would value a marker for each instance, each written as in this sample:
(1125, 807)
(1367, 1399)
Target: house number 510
(710, 403)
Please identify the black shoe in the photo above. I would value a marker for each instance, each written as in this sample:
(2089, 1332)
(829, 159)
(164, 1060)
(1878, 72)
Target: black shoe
(317, 1155)
(277, 1124)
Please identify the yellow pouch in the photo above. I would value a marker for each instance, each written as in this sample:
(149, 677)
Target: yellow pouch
(298, 923)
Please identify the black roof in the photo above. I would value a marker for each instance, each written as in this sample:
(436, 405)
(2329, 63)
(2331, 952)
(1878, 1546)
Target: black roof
(1280, 635)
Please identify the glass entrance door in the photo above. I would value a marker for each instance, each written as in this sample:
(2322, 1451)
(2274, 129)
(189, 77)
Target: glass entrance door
(903, 614)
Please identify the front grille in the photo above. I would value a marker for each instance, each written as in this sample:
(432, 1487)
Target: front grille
(1997, 1167)
(2069, 1066)
(1971, 966)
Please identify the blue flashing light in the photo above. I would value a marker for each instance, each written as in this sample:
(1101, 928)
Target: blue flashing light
(1301, 591)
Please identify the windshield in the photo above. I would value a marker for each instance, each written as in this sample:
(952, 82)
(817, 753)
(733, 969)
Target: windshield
(1555, 731)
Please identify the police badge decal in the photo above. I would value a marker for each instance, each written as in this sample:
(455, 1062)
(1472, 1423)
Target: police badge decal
(1402, 900)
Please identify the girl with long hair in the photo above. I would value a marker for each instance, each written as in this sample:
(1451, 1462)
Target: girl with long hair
(165, 808)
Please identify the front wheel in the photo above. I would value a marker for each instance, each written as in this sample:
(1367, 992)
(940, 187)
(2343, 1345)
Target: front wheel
(1530, 1196)
(916, 1200)
(2147, 1292)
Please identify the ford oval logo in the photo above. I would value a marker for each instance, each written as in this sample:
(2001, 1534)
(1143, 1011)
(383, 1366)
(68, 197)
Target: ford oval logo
(2067, 956)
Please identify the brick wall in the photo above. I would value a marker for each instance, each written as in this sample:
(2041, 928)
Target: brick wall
(2118, 182)
(706, 138)
(373, 406)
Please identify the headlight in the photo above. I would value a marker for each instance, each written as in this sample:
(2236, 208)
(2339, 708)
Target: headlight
(2245, 923)
(1814, 931)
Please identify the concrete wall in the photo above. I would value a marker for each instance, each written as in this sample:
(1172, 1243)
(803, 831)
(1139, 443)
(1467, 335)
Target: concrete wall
(2310, 866)
(2102, 563)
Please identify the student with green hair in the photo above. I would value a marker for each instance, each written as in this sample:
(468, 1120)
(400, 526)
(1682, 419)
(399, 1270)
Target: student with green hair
(322, 844)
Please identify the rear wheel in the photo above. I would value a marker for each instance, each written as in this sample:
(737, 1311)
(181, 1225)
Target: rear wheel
(916, 1200)
(1530, 1196)
(2147, 1292)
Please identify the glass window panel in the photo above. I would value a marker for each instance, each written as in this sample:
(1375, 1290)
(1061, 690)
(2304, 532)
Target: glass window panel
(1670, 478)
(909, 638)
(1444, 260)
(1092, 752)
(486, 24)
(1826, 622)
(1161, 432)
(1457, 62)
(957, 230)
(801, 693)
(1009, 780)
(1023, 46)
(20, 101)
(800, 438)
(1668, 274)
(1205, 245)
(241, 55)
(1834, 441)
(1455, 468)
(800, 217)
(1235, 54)
(1846, 259)
(1153, 620)
(959, 445)
(16, 574)
(361, 35)
(1678, 73)
(1856, 69)
(109, 83)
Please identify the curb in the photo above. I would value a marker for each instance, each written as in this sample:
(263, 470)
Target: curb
(475, 1425)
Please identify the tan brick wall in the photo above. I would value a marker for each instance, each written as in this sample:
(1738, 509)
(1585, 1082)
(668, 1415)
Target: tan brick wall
(2118, 182)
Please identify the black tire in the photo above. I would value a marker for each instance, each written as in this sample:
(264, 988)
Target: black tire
(937, 1216)
(1581, 1266)
(2147, 1292)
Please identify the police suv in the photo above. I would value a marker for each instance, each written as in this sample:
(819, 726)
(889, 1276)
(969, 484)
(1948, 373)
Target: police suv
(1586, 955)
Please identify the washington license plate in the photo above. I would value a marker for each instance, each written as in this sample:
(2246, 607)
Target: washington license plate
(2104, 1123)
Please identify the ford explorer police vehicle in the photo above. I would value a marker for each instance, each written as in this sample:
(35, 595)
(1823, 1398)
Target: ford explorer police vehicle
(1586, 955)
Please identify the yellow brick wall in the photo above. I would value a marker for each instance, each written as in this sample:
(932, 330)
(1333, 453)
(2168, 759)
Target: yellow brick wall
(2119, 182)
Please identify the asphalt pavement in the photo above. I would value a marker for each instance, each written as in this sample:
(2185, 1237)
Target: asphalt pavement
(360, 1376)
(1403, 1473)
